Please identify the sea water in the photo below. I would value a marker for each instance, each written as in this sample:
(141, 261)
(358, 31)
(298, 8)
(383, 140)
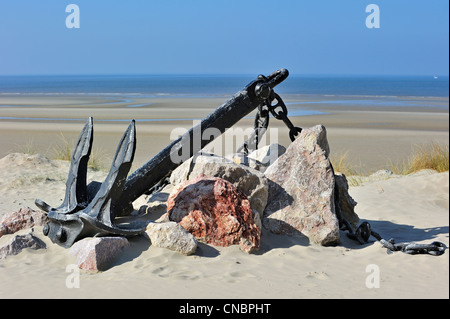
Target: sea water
(213, 85)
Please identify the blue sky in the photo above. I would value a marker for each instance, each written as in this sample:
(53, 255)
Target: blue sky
(225, 37)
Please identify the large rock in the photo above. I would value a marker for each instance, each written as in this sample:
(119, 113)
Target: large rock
(24, 218)
(247, 180)
(346, 202)
(19, 242)
(96, 254)
(301, 190)
(214, 211)
(172, 236)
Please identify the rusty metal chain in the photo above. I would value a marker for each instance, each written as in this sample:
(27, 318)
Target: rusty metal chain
(282, 114)
(262, 120)
(260, 127)
(364, 231)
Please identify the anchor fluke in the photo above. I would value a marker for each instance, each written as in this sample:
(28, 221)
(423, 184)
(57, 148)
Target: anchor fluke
(91, 213)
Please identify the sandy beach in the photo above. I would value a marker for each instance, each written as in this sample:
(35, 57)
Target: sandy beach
(356, 206)
(407, 208)
(371, 137)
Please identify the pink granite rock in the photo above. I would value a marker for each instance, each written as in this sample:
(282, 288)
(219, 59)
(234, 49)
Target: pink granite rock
(24, 218)
(301, 190)
(214, 211)
(96, 254)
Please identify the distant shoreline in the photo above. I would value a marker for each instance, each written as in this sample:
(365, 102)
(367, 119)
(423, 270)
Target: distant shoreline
(219, 85)
(371, 135)
(138, 100)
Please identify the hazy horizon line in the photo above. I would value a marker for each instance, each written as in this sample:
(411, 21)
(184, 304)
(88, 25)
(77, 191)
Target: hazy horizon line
(229, 74)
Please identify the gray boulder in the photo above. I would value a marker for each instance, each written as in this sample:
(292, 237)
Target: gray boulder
(20, 242)
(301, 190)
(346, 202)
(171, 235)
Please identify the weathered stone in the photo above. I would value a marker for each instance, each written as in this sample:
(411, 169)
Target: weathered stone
(24, 218)
(381, 174)
(301, 190)
(214, 211)
(3, 230)
(259, 159)
(172, 236)
(346, 202)
(239, 159)
(247, 180)
(96, 254)
(156, 206)
(267, 155)
(19, 242)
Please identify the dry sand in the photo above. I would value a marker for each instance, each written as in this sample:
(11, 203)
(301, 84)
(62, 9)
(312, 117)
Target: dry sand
(410, 208)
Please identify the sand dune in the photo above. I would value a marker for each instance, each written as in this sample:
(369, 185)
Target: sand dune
(409, 208)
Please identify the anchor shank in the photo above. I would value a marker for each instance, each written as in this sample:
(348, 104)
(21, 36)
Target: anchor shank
(222, 118)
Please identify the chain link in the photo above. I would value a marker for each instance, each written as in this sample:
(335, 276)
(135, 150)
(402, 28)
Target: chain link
(260, 127)
(364, 231)
(262, 121)
(282, 114)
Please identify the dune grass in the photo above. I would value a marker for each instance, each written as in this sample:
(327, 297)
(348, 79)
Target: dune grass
(433, 156)
(63, 151)
(342, 165)
(27, 148)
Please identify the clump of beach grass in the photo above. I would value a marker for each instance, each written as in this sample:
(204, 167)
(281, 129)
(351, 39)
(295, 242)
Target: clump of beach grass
(63, 151)
(27, 148)
(342, 165)
(434, 156)
(352, 173)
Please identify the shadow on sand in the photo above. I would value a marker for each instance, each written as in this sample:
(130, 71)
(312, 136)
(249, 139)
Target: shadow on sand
(401, 233)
